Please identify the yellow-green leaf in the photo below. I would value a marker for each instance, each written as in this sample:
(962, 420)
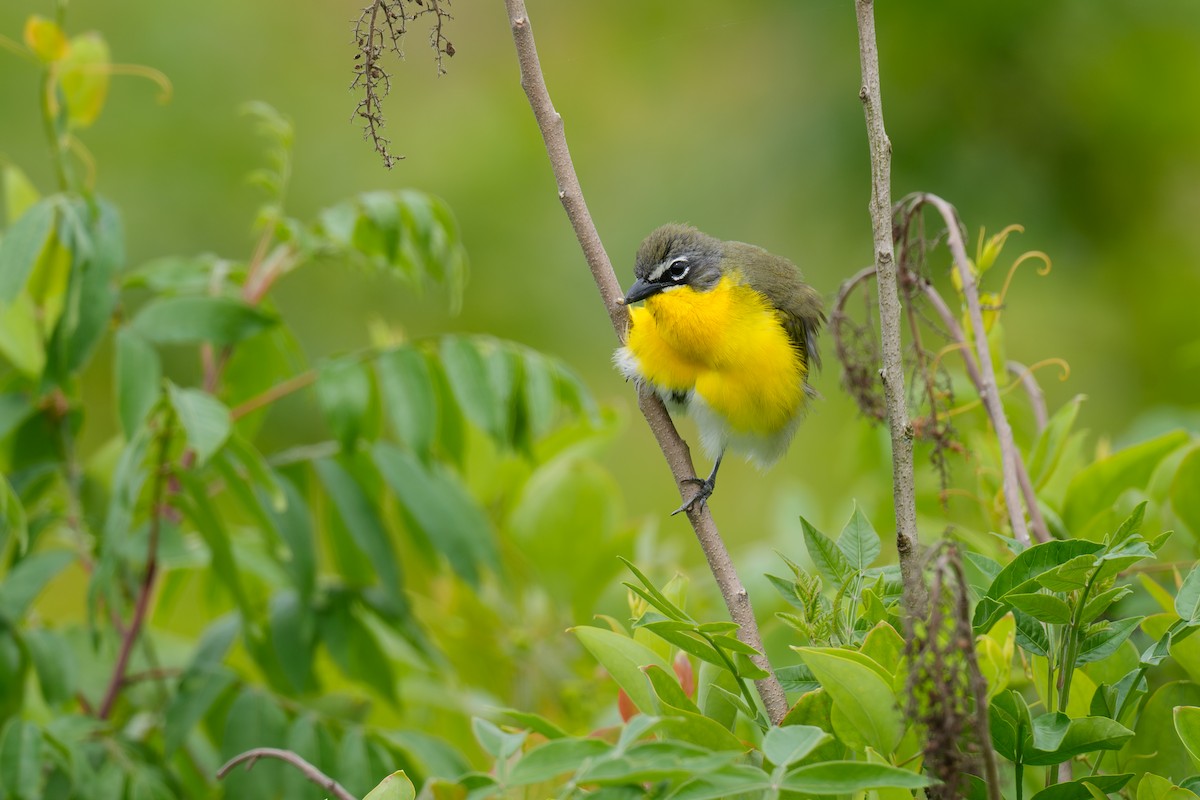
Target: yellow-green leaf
(84, 78)
(862, 696)
(45, 38)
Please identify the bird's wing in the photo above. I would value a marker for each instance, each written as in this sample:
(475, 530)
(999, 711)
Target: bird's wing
(800, 306)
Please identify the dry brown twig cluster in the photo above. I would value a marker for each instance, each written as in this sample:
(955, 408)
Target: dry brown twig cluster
(378, 33)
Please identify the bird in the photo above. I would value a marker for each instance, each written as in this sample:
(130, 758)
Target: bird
(727, 332)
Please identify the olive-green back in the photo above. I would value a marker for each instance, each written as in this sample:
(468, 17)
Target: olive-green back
(800, 305)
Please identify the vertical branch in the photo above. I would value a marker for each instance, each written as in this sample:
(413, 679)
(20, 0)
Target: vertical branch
(988, 392)
(892, 373)
(674, 449)
(142, 604)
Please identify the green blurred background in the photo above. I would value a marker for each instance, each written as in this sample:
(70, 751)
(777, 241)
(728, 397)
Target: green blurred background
(1077, 119)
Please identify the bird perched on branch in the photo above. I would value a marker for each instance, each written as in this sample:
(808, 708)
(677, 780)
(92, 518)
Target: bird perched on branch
(728, 332)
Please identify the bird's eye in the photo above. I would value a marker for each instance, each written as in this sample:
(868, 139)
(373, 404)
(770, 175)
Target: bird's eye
(678, 269)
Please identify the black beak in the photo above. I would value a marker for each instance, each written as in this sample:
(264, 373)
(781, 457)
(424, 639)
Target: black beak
(641, 290)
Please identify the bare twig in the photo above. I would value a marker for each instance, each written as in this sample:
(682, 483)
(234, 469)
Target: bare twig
(129, 637)
(673, 447)
(892, 373)
(309, 771)
(1040, 531)
(987, 376)
(1032, 390)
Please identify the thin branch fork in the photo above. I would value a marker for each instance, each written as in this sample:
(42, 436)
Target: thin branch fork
(676, 452)
(314, 775)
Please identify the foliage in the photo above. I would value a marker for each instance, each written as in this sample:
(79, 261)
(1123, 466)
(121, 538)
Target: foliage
(177, 585)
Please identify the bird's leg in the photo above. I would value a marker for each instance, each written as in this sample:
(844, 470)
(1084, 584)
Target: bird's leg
(706, 487)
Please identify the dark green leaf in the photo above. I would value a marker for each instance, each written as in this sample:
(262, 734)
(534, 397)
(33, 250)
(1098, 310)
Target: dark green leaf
(296, 527)
(1104, 643)
(1043, 607)
(1031, 635)
(1077, 736)
(138, 380)
(365, 527)
(292, 624)
(310, 739)
(410, 397)
(1076, 790)
(344, 394)
(797, 679)
(93, 292)
(846, 777)
(211, 527)
(54, 663)
(467, 373)
(356, 650)
(21, 747)
(198, 689)
(1185, 500)
(533, 722)
(254, 720)
(1024, 568)
(1100, 603)
(442, 510)
(188, 319)
(666, 687)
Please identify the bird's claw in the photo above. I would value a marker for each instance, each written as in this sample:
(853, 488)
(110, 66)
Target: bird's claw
(700, 498)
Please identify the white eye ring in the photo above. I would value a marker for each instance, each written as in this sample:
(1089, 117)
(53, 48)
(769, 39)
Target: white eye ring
(675, 273)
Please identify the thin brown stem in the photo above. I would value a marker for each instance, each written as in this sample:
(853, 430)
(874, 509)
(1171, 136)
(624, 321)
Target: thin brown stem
(142, 604)
(314, 775)
(276, 392)
(673, 447)
(892, 373)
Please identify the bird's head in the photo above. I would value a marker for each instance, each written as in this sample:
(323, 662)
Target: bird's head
(674, 256)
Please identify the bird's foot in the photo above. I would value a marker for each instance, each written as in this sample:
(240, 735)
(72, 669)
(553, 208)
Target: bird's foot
(706, 488)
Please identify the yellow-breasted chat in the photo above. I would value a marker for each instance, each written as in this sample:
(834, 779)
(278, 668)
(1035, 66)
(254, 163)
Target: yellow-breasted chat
(727, 333)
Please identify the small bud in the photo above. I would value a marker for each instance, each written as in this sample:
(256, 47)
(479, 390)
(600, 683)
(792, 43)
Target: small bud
(449, 49)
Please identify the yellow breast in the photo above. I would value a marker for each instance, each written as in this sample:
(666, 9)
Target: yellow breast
(728, 345)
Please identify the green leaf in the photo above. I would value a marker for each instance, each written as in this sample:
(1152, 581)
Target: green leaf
(310, 739)
(1078, 789)
(187, 320)
(296, 527)
(467, 372)
(1101, 602)
(54, 663)
(138, 379)
(254, 720)
(93, 295)
(1185, 500)
(26, 580)
(1187, 599)
(1043, 607)
(1057, 740)
(555, 758)
(396, 786)
(292, 625)
(198, 690)
(666, 687)
(212, 528)
(410, 397)
(204, 418)
(19, 192)
(1051, 442)
(344, 393)
(825, 555)
(533, 722)
(21, 336)
(1187, 725)
(624, 659)
(1156, 787)
(1103, 643)
(884, 646)
(858, 541)
(1022, 570)
(1098, 485)
(22, 246)
(495, 742)
(365, 527)
(860, 693)
(783, 747)
(441, 510)
(846, 777)
(21, 747)
(356, 649)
